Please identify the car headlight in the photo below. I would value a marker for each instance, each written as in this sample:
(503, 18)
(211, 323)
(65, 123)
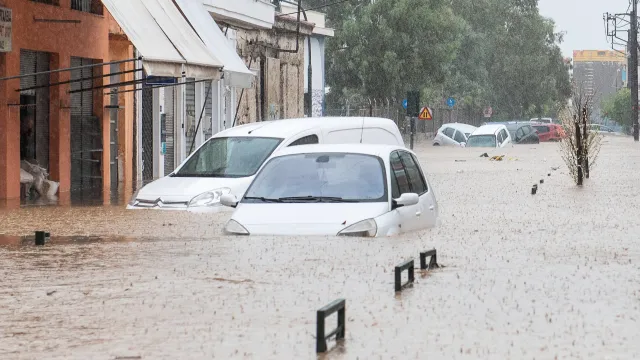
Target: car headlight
(365, 228)
(234, 227)
(134, 197)
(209, 198)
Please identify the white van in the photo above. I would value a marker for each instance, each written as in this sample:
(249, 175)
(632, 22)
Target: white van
(494, 135)
(228, 161)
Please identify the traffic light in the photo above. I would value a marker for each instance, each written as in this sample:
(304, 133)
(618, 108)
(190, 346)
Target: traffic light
(413, 103)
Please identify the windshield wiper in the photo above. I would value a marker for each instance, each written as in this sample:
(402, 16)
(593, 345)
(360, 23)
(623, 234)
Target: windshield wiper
(262, 198)
(316, 199)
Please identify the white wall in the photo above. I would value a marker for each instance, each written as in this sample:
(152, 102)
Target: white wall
(257, 13)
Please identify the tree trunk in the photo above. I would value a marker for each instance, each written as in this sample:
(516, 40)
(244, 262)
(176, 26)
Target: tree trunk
(579, 152)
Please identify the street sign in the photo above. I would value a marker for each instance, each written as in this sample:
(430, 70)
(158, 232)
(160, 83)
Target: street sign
(405, 103)
(425, 114)
(451, 102)
(488, 111)
(159, 80)
(5, 29)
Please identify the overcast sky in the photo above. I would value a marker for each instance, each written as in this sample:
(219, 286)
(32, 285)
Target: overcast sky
(582, 21)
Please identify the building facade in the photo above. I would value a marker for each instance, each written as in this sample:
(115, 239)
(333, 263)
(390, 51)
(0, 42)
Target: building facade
(55, 109)
(599, 74)
(315, 50)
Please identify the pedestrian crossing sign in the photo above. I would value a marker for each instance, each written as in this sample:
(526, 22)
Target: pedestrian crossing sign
(425, 114)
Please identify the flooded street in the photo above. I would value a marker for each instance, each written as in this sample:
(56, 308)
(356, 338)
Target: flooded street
(550, 276)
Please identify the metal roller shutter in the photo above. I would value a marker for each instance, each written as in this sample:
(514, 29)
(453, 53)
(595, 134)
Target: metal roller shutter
(191, 120)
(170, 111)
(206, 121)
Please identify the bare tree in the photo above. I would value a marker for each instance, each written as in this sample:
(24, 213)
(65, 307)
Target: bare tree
(580, 148)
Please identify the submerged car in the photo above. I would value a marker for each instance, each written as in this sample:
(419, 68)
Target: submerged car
(455, 134)
(550, 132)
(227, 162)
(346, 190)
(493, 135)
(522, 133)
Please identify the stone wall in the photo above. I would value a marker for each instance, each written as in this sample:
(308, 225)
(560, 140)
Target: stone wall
(278, 92)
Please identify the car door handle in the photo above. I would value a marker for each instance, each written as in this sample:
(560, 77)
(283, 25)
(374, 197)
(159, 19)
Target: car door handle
(432, 207)
(418, 213)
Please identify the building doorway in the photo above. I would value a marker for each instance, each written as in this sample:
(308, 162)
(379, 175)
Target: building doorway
(86, 135)
(34, 108)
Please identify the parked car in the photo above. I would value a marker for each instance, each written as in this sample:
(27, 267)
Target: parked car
(345, 190)
(602, 129)
(454, 134)
(228, 162)
(495, 135)
(522, 133)
(542, 120)
(550, 132)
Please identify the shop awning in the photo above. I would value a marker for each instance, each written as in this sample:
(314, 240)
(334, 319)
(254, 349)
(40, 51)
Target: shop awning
(164, 38)
(236, 73)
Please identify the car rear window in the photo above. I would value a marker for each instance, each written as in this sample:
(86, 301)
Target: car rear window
(541, 129)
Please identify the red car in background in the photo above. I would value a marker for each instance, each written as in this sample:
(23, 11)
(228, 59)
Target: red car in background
(549, 132)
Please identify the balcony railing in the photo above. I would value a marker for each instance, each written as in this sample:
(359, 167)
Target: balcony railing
(90, 6)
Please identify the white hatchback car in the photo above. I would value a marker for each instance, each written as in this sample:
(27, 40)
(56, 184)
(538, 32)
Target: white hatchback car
(351, 189)
(492, 135)
(454, 134)
(228, 161)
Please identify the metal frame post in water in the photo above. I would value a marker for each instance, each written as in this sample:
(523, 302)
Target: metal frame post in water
(321, 339)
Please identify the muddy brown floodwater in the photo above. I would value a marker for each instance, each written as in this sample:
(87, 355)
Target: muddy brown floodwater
(550, 276)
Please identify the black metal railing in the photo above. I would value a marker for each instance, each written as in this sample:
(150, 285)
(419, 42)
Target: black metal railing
(90, 6)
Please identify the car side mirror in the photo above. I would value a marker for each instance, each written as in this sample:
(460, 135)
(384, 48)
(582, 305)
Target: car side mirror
(406, 199)
(229, 200)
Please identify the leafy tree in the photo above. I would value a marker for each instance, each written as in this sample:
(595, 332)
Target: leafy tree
(617, 107)
(500, 53)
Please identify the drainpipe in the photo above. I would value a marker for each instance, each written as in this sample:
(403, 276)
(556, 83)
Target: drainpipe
(310, 70)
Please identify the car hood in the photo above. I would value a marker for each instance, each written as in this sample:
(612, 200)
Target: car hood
(185, 188)
(305, 218)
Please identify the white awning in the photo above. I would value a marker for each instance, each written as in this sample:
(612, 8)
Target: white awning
(236, 73)
(164, 38)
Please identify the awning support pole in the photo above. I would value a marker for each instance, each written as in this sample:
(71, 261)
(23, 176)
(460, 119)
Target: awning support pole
(124, 83)
(70, 68)
(78, 80)
(201, 113)
(156, 87)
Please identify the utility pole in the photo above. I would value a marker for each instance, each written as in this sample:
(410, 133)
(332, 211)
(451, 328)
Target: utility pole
(633, 71)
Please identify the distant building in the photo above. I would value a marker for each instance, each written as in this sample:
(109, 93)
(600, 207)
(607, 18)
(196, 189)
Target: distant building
(599, 73)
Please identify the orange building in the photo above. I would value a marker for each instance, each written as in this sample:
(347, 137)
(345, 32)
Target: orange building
(63, 116)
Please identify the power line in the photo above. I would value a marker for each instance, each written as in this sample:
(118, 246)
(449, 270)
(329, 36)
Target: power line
(319, 7)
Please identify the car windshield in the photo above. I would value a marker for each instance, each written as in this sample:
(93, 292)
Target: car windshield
(481, 141)
(229, 157)
(320, 177)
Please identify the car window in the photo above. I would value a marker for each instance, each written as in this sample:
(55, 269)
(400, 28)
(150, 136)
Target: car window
(339, 176)
(520, 133)
(504, 134)
(399, 181)
(527, 129)
(448, 132)
(459, 137)
(541, 129)
(306, 140)
(416, 178)
(481, 141)
(500, 138)
(236, 156)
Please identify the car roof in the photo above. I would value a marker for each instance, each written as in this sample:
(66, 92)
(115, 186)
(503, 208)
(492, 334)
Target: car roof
(461, 126)
(366, 149)
(290, 127)
(489, 129)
